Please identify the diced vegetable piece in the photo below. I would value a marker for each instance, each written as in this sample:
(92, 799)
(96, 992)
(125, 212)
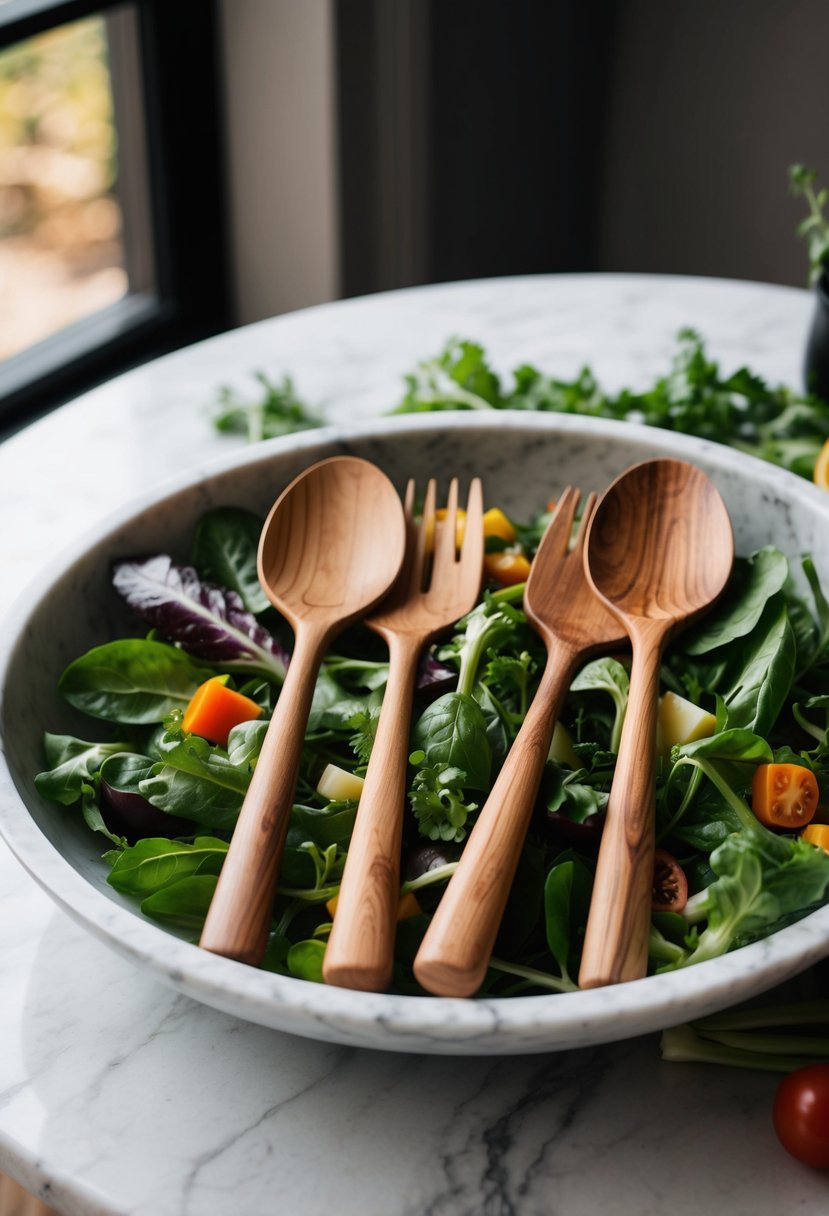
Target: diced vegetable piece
(507, 568)
(817, 834)
(215, 709)
(407, 906)
(339, 785)
(670, 886)
(497, 524)
(561, 747)
(680, 721)
(784, 795)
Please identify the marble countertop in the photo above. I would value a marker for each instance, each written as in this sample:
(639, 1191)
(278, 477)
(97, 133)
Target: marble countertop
(118, 1095)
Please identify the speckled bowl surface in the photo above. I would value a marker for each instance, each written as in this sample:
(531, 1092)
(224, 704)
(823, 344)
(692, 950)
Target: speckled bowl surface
(524, 459)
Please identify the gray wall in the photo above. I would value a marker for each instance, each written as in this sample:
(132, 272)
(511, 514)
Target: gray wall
(712, 100)
(278, 62)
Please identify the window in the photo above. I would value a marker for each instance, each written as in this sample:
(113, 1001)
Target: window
(112, 235)
(61, 221)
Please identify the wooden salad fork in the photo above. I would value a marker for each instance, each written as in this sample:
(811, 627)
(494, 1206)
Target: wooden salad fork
(574, 623)
(439, 583)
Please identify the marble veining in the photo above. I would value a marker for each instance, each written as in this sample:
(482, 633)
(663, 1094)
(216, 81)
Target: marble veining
(118, 1094)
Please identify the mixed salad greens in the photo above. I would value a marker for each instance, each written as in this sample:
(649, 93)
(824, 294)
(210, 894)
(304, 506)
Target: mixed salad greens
(695, 397)
(750, 680)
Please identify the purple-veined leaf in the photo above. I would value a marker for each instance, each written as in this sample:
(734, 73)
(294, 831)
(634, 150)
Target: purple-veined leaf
(207, 621)
(431, 673)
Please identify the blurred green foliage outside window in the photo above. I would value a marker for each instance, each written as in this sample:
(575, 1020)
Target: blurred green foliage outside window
(61, 253)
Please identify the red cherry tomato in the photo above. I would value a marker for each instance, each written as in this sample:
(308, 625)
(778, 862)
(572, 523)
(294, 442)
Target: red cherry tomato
(670, 886)
(801, 1115)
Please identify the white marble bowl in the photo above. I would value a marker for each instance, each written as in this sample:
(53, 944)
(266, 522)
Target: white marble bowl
(524, 459)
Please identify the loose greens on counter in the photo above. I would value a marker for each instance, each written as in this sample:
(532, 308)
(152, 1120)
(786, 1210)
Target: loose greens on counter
(694, 397)
(166, 799)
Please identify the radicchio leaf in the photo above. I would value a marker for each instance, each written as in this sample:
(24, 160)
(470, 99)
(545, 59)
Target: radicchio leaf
(207, 621)
(432, 674)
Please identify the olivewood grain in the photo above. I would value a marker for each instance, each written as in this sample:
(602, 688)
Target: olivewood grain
(360, 950)
(330, 549)
(659, 552)
(574, 623)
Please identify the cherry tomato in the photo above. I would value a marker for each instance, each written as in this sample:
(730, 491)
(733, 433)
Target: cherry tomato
(801, 1115)
(784, 795)
(670, 886)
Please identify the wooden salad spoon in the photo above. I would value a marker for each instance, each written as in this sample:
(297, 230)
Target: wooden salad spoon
(574, 623)
(659, 552)
(330, 549)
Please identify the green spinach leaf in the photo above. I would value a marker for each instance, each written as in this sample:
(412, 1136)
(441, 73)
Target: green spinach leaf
(72, 763)
(453, 731)
(567, 891)
(225, 546)
(197, 781)
(183, 904)
(156, 862)
(136, 680)
(753, 583)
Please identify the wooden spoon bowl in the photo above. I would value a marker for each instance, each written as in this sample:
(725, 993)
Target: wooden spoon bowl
(660, 547)
(659, 552)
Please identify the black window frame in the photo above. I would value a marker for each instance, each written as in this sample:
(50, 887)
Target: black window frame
(180, 80)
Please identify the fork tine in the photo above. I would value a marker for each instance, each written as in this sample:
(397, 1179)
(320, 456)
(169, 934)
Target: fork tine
(586, 516)
(560, 527)
(446, 539)
(473, 534)
(425, 539)
(409, 566)
(408, 501)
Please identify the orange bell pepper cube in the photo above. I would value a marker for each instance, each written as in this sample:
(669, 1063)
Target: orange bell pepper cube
(215, 709)
(407, 906)
(818, 835)
(507, 568)
(497, 524)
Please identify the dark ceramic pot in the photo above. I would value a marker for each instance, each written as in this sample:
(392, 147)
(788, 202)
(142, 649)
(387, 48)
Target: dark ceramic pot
(816, 361)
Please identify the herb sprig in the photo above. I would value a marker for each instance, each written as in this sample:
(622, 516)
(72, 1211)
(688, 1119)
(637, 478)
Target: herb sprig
(815, 227)
(738, 409)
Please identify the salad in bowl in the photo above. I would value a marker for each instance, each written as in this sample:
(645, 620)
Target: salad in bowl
(150, 704)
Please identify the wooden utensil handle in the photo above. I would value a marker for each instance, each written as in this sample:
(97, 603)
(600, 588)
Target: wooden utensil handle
(456, 949)
(360, 950)
(238, 921)
(616, 940)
